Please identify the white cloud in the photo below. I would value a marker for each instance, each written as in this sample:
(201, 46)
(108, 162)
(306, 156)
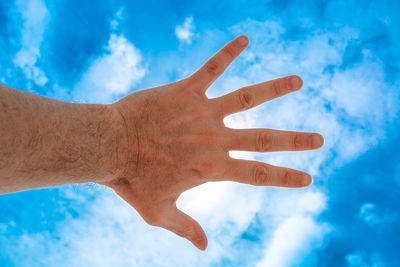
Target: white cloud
(293, 231)
(226, 210)
(35, 19)
(293, 240)
(377, 218)
(184, 32)
(367, 213)
(116, 72)
(109, 233)
(116, 21)
(349, 106)
(363, 259)
(357, 259)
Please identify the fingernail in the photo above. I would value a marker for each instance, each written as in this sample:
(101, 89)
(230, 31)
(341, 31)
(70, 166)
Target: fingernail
(305, 180)
(315, 141)
(243, 40)
(200, 243)
(295, 82)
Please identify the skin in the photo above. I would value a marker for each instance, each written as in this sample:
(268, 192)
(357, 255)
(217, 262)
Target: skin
(150, 146)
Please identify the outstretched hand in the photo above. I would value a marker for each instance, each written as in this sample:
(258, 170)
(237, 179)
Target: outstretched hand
(175, 139)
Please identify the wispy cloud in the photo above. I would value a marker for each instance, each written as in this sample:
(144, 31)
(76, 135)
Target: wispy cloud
(35, 20)
(350, 106)
(364, 259)
(226, 210)
(292, 241)
(350, 103)
(185, 32)
(282, 211)
(376, 217)
(116, 21)
(114, 73)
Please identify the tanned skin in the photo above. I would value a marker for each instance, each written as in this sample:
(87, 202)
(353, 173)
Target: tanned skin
(150, 146)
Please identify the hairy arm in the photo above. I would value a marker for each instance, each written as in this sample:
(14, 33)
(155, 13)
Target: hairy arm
(45, 142)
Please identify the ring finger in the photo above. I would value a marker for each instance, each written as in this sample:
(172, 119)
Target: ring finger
(262, 174)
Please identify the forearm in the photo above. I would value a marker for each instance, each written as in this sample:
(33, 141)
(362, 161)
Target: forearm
(44, 142)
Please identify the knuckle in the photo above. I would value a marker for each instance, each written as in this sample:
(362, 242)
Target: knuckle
(213, 68)
(277, 88)
(185, 232)
(297, 142)
(206, 168)
(260, 175)
(298, 180)
(264, 142)
(285, 178)
(246, 99)
(229, 52)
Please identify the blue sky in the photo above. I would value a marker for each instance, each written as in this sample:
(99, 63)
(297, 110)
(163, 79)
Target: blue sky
(348, 54)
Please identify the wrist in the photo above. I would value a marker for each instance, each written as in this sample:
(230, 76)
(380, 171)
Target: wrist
(122, 148)
(112, 127)
(123, 120)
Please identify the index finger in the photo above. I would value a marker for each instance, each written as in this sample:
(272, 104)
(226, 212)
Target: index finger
(216, 65)
(254, 95)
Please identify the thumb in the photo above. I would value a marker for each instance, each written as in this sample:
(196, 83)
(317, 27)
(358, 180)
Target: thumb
(186, 227)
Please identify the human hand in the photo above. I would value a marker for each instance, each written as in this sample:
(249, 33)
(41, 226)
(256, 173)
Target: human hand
(176, 139)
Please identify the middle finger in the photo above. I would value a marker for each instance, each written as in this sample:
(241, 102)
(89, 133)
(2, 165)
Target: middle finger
(254, 95)
(263, 140)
